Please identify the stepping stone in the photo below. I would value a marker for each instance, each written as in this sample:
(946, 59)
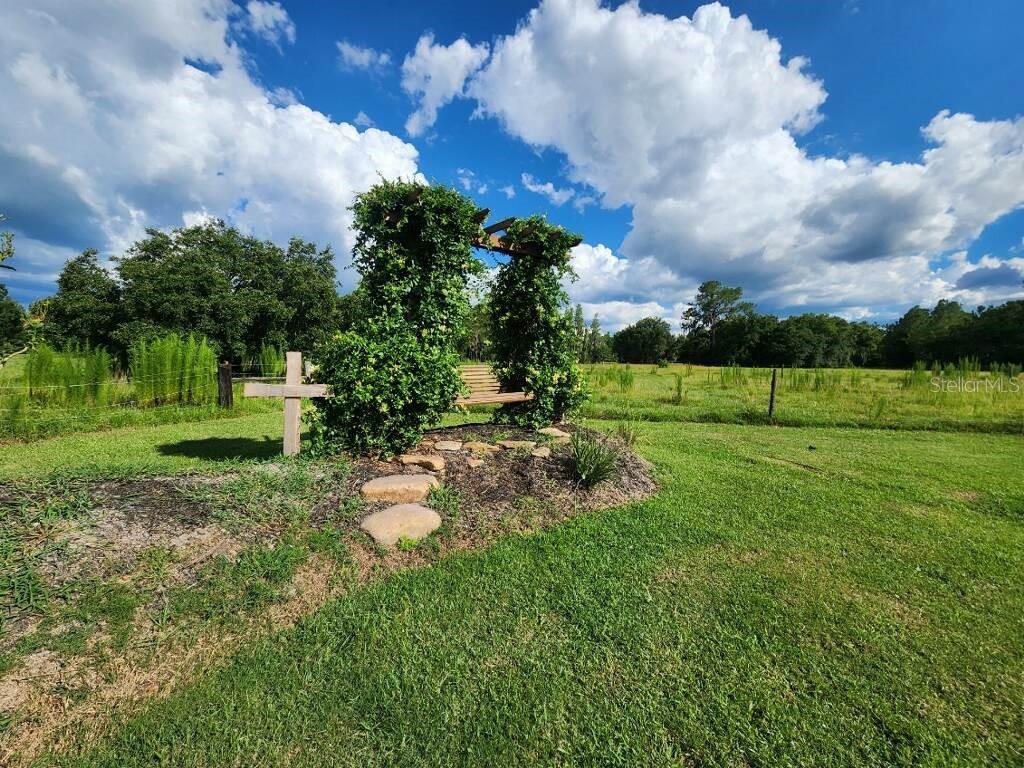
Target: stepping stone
(478, 447)
(513, 445)
(448, 445)
(474, 463)
(542, 453)
(402, 521)
(399, 488)
(433, 463)
(561, 441)
(552, 432)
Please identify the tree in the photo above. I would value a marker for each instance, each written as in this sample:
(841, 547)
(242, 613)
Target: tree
(6, 245)
(86, 308)
(12, 324)
(12, 317)
(236, 290)
(646, 341)
(713, 304)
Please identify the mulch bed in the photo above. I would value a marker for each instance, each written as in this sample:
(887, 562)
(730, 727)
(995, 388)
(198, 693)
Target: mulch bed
(513, 490)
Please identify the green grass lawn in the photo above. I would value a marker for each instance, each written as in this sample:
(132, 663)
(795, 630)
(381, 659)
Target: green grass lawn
(858, 603)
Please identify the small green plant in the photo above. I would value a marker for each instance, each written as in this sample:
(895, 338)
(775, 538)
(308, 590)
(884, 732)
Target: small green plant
(626, 378)
(628, 432)
(445, 500)
(349, 508)
(593, 461)
(405, 544)
(678, 395)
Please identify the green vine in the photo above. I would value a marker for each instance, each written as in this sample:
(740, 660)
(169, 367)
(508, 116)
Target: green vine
(397, 371)
(534, 342)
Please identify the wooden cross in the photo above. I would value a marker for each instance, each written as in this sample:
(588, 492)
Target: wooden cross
(293, 390)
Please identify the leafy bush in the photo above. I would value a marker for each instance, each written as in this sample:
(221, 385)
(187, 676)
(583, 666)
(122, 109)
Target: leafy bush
(593, 461)
(397, 371)
(387, 387)
(534, 341)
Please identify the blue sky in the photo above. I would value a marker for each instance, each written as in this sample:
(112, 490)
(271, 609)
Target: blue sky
(855, 157)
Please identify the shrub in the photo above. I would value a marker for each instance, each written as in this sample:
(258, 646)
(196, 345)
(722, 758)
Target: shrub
(626, 378)
(677, 397)
(387, 388)
(593, 461)
(534, 342)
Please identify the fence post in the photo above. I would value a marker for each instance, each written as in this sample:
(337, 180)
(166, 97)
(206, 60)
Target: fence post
(771, 398)
(225, 393)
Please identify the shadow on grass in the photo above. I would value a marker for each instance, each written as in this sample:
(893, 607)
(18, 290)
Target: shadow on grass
(224, 448)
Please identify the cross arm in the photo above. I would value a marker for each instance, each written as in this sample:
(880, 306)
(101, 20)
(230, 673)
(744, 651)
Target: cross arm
(253, 389)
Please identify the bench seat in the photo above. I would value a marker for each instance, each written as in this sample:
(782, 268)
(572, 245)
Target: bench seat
(484, 388)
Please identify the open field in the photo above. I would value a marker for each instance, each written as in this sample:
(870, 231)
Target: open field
(793, 595)
(679, 392)
(806, 397)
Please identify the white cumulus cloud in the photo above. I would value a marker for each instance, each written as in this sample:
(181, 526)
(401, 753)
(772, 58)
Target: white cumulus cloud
(352, 56)
(126, 115)
(270, 21)
(435, 74)
(696, 124)
(556, 195)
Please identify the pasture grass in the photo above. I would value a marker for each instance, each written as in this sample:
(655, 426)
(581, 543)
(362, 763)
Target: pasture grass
(791, 597)
(881, 399)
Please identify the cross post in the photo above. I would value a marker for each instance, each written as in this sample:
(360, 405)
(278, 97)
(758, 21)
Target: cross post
(293, 390)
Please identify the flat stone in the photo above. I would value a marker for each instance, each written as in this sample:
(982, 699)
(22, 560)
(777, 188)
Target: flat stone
(514, 445)
(433, 463)
(448, 445)
(478, 447)
(474, 463)
(552, 432)
(399, 488)
(561, 441)
(541, 453)
(402, 521)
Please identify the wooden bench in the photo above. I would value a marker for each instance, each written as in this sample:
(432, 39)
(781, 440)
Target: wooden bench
(484, 388)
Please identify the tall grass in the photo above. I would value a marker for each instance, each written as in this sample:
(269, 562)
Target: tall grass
(172, 369)
(73, 377)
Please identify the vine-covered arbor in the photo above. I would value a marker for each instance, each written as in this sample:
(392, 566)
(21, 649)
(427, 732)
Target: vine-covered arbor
(397, 371)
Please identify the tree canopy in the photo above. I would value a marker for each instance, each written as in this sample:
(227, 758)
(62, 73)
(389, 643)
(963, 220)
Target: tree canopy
(238, 291)
(648, 340)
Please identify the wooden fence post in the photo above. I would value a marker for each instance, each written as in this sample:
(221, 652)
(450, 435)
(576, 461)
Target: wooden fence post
(225, 393)
(771, 398)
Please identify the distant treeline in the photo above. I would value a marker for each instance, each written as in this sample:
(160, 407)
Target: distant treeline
(720, 329)
(246, 295)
